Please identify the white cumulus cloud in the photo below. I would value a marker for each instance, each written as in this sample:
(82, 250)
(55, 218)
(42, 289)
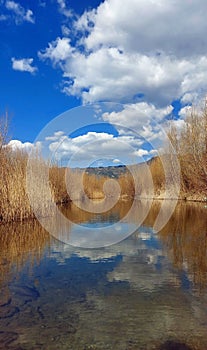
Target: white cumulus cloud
(64, 9)
(171, 26)
(136, 115)
(23, 65)
(153, 49)
(23, 146)
(57, 51)
(93, 146)
(19, 12)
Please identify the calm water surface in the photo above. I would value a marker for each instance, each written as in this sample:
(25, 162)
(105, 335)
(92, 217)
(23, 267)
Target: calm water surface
(147, 292)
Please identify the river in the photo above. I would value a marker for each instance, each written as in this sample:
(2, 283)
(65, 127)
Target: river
(148, 291)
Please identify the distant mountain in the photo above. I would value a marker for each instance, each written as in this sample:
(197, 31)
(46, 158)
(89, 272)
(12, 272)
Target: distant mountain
(114, 171)
(110, 171)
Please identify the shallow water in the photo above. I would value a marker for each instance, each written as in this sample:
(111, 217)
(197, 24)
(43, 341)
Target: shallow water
(147, 292)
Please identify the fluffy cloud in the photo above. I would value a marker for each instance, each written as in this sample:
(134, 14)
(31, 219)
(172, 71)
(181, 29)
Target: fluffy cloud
(137, 49)
(95, 146)
(170, 26)
(19, 12)
(138, 114)
(64, 9)
(98, 148)
(23, 65)
(57, 51)
(65, 30)
(23, 146)
(141, 152)
(108, 74)
(58, 136)
(183, 111)
(143, 120)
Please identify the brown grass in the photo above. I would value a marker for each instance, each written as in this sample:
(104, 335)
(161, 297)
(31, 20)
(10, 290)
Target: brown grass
(14, 204)
(64, 184)
(146, 180)
(94, 186)
(158, 175)
(58, 184)
(190, 143)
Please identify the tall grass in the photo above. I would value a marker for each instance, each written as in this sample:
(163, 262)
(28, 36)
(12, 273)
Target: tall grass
(94, 185)
(14, 200)
(57, 177)
(64, 184)
(14, 203)
(146, 180)
(190, 143)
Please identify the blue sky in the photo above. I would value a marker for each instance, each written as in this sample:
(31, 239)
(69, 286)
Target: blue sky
(31, 99)
(58, 54)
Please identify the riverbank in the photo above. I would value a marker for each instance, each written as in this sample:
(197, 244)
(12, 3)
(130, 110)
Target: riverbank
(146, 180)
(185, 197)
(66, 185)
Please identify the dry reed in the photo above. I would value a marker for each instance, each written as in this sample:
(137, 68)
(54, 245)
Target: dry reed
(65, 184)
